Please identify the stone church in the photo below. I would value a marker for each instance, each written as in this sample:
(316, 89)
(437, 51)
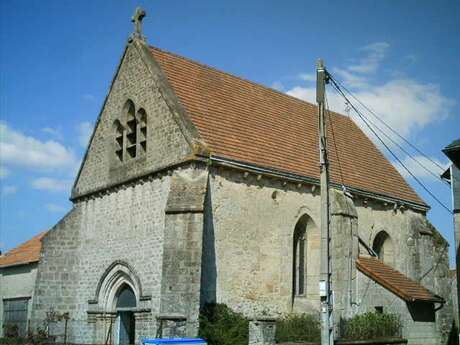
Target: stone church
(199, 186)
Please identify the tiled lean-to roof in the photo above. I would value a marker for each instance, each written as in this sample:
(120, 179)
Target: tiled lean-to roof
(393, 280)
(27, 252)
(246, 122)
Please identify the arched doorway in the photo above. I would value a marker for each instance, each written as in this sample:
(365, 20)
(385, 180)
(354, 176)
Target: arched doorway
(125, 305)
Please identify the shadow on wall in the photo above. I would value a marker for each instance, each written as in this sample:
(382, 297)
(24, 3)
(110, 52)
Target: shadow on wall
(453, 335)
(422, 311)
(208, 256)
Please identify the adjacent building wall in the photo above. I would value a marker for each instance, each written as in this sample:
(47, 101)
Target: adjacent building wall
(17, 282)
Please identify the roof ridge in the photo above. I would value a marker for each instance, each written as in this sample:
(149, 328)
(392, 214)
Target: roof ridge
(242, 79)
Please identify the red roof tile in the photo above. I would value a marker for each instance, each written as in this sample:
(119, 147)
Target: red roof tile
(25, 253)
(244, 121)
(393, 280)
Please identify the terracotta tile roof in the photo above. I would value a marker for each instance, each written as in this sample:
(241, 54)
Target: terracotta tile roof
(244, 121)
(393, 280)
(25, 253)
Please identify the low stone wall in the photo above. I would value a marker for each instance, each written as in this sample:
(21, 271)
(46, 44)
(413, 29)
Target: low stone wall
(262, 331)
(381, 341)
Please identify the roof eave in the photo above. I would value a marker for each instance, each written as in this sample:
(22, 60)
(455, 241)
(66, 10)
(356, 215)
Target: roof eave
(16, 264)
(241, 165)
(395, 290)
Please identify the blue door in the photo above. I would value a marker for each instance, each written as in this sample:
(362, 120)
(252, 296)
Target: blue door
(126, 302)
(126, 333)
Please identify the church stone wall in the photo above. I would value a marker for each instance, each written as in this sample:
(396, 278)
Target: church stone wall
(252, 226)
(166, 144)
(248, 249)
(125, 225)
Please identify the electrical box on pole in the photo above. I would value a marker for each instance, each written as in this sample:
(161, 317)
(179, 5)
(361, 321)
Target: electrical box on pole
(325, 290)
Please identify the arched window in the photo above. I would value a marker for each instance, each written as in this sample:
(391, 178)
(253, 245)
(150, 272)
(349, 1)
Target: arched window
(300, 256)
(306, 240)
(119, 139)
(383, 247)
(142, 120)
(131, 128)
(130, 132)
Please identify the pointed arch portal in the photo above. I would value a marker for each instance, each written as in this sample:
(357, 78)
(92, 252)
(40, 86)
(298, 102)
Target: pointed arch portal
(119, 292)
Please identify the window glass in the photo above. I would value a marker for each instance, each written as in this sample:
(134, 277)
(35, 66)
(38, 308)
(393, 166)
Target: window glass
(15, 315)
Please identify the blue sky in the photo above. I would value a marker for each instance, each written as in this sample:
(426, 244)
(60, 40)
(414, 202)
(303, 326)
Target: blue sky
(58, 58)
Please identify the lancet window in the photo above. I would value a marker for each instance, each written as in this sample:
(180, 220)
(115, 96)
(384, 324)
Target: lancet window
(130, 132)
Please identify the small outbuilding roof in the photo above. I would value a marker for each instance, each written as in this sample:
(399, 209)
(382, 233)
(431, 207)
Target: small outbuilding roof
(396, 282)
(245, 122)
(26, 253)
(453, 152)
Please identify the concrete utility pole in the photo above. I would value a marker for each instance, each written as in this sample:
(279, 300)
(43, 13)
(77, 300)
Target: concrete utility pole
(325, 291)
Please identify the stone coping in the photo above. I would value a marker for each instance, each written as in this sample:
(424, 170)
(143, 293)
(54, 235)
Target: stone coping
(172, 317)
(380, 341)
(108, 313)
(264, 318)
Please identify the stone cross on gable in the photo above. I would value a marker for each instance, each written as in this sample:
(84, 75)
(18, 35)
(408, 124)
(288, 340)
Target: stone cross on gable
(137, 20)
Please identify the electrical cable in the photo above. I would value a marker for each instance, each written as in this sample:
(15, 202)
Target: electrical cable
(333, 140)
(438, 177)
(337, 87)
(385, 124)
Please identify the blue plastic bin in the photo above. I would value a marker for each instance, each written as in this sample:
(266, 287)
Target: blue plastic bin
(175, 341)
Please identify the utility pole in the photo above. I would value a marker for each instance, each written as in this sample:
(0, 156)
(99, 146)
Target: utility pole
(325, 291)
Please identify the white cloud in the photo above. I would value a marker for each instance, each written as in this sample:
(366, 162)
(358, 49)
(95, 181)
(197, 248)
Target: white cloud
(405, 104)
(54, 132)
(85, 129)
(352, 80)
(3, 172)
(88, 97)
(26, 151)
(307, 76)
(52, 184)
(8, 190)
(55, 208)
(374, 54)
(277, 85)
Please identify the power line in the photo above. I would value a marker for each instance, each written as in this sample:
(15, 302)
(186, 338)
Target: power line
(437, 176)
(406, 152)
(385, 124)
(337, 87)
(333, 140)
